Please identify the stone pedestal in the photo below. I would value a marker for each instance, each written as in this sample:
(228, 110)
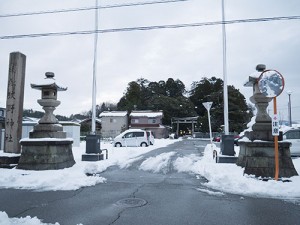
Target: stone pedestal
(9, 161)
(46, 154)
(258, 158)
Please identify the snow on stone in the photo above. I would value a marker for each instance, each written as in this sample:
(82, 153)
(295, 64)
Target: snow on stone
(2, 153)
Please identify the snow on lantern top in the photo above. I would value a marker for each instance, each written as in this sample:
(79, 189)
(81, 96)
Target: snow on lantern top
(48, 87)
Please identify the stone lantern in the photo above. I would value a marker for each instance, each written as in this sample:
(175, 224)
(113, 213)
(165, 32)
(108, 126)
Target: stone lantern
(47, 146)
(257, 147)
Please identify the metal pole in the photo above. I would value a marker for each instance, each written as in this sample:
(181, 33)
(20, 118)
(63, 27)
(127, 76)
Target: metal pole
(290, 108)
(276, 144)
(95, 72)
(209, 124)
(225, 91)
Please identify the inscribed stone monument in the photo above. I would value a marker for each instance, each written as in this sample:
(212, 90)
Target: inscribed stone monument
(14, 102)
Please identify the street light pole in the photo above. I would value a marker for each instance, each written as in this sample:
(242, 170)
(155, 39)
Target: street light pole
(225, 89)
(94, 89)
(290, 107)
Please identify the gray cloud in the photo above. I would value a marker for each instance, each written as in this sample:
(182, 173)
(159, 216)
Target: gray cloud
(187, 53)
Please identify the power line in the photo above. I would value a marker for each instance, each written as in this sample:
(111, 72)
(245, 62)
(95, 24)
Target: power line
(145, 28)
(90, 8)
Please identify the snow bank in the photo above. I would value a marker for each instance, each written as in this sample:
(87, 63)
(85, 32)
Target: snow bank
(230, 178)
(157, 164)
(5, 220)
(75, 177)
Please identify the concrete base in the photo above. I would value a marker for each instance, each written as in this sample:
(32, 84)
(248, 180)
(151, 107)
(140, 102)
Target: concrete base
(38, 154)
(226, 159)
(92, 157)
(9, 161)
(258, 159)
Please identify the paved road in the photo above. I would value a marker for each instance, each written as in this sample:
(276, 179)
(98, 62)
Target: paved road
(135, 197)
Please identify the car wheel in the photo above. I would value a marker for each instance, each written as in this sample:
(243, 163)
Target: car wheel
(118, 144)
(144, 144)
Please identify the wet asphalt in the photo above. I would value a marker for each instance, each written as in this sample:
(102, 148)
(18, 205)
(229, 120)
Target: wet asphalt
(132, 196)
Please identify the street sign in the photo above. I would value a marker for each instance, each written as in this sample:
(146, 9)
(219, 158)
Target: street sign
(275, 125)
(207, 105)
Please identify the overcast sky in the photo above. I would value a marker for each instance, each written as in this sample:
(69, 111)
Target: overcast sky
(188, 54)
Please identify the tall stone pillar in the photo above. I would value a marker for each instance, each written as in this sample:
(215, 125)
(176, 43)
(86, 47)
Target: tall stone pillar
(14, 102)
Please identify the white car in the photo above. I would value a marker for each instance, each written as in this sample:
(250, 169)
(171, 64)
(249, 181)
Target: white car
(293, 136)
(132, 137)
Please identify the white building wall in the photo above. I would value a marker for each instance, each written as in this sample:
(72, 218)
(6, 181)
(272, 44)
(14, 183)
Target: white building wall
(72, 130)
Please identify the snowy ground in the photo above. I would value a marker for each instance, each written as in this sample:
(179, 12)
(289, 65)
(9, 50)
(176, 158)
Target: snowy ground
(221, 178)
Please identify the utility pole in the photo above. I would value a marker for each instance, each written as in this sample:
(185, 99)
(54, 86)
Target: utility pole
(94, 89)
(225, 91)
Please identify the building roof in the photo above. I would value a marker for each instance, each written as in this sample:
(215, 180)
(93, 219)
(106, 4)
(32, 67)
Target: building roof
(146, 114)
(90, 119)
(113, 114)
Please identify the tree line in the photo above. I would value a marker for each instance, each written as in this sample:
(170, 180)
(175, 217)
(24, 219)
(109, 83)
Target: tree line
(172, 97)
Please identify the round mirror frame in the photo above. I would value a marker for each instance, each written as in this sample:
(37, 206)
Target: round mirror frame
(263, 88)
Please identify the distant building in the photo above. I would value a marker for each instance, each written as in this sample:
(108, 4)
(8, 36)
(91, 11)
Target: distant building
(86, 126)
(148, 120)
(113, 123)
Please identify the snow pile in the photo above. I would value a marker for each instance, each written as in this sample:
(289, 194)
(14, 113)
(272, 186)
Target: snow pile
(76, 177)
(231, 178)
(66, 179)
(157, 164)
(5, 220)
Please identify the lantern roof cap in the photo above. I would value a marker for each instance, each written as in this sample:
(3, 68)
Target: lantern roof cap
(48, 82)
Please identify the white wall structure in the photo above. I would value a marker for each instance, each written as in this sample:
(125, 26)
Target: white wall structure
(71, 128)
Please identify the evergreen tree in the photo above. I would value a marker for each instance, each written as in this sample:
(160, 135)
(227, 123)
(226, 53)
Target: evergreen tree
(211, 90)
(166, 96)
(132, 98)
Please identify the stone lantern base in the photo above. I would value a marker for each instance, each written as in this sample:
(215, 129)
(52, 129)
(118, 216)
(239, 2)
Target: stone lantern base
(258, 158)
(46, 154)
